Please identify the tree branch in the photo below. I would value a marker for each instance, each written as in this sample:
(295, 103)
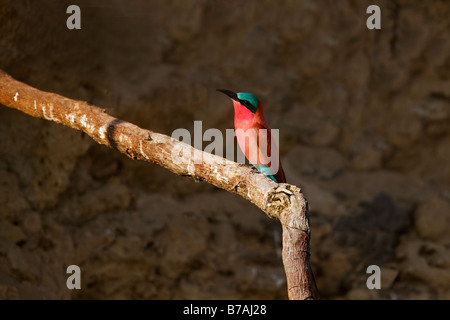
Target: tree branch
(280, 201)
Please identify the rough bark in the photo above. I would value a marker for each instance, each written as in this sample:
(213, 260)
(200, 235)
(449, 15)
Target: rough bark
(279, 201)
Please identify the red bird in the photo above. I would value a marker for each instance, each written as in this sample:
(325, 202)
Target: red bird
(253, 135)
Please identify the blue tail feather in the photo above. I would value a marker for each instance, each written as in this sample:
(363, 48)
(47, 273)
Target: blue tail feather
(265, 170)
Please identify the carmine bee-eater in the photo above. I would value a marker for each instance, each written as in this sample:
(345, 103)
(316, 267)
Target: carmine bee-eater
(253, 135)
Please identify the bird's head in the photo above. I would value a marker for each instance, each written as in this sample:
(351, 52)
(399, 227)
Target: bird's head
(247, 100)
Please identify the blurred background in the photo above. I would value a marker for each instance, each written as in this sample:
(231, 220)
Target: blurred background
(363, 118)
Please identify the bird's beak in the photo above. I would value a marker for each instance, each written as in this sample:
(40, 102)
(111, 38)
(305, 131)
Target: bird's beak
(229, 93)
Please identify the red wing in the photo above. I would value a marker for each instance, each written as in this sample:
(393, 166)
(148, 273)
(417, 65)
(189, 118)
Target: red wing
(264, 141)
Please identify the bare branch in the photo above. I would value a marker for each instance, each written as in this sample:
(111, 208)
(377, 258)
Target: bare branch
(280, 201)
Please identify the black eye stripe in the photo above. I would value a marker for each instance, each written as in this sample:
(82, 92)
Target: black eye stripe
(248, 105)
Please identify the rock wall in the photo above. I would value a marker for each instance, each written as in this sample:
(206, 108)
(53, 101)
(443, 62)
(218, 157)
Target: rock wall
(363, 118)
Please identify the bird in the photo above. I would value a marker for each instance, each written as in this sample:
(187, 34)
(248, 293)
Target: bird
(248, 124)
